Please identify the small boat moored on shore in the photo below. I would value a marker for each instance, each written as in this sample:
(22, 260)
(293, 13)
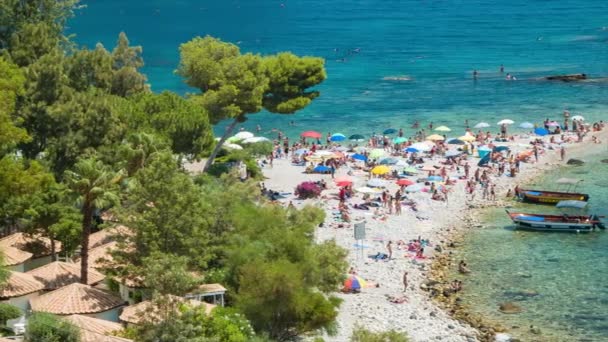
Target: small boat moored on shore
(553, 197)
(558, 223)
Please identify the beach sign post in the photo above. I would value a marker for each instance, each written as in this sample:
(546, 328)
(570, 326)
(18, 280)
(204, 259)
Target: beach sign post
(359, 237)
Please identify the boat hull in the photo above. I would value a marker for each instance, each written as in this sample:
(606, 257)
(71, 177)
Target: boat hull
(550, 223)
(549, 197)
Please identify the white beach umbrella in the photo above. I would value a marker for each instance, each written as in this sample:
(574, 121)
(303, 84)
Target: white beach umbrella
(526, 125)
(506, 122)
(244, 135)
(421, 146)
(578, 118)
(230, 146)
(367, 190)
(482, 125)
(415, 187)
(376, 183)
(254, 140)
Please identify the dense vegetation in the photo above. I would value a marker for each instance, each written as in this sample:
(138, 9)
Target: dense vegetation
(81, 133)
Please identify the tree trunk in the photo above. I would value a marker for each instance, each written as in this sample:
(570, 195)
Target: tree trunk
(87, 217)
(220, 143)
(53, 253)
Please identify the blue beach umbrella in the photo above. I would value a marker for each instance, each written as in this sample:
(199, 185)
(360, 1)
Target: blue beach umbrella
(412, 150)
(338, 137)
(321, 169)
(526, 125)
(389, 131)
(541, 131)
(484, 161)
(434, 179)
(389, 161)
(358, 156)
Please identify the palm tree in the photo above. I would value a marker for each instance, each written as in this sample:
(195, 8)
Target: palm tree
(94, 185)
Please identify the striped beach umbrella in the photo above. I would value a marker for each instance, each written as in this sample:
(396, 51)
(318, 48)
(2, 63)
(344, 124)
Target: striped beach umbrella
(354, 282)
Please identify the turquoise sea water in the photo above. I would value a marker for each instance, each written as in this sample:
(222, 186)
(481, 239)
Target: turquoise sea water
(437, 45)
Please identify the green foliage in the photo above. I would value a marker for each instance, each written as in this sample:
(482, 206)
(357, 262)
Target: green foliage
(90, 68)
(32, 41)
(166, 274)
(11, 86)
(44, 327)
(361, 334)
(8, 311)
(127, 61)
(4, 272)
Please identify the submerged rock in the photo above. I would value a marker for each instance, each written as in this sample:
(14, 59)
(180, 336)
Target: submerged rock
(567, 78)
(509, 308)
(573, 161)
(604, 161)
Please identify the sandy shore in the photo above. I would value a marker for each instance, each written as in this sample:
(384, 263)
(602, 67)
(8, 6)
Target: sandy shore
(421, 317)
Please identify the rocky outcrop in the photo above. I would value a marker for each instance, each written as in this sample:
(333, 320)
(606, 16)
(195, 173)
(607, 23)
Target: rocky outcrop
(576, 162)
(509, 308)
(567, 78)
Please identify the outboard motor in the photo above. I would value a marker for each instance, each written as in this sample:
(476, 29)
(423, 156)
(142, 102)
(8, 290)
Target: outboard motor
(598, 223)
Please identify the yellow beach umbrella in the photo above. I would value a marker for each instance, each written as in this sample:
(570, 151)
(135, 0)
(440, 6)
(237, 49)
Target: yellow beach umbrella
(467, 138)
(435, 137)
(381, 170)
(443, 129)
(376, 153)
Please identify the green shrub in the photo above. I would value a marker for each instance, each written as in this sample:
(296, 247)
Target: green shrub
(361, 334)
(8, 311)
(44, 327)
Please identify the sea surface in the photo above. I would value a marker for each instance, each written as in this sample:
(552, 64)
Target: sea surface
(391, 63)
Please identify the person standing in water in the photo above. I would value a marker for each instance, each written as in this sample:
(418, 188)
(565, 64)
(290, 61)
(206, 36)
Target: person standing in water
(475, 73)
(502, 69)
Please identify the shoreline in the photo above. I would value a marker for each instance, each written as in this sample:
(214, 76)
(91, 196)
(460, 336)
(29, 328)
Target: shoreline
(421, 317)
(444, 264)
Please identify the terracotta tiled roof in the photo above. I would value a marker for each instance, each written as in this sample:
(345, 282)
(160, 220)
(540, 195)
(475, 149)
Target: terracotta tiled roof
(108, 235)
(59, 274)
(25, 242)
(20, 284)
(134, 314)
(95, 329)
(100, 256)
(14, 256)
(76, 298)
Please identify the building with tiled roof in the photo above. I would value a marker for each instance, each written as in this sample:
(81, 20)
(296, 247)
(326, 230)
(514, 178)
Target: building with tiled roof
(14, 258)
(36, 244)
(108, 235)
(59, 274)
(101, 256)
(78, 298)
(138, 313)
(96, 330)
(19, 289)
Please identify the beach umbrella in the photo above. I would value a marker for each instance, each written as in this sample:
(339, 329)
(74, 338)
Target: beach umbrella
(467, 138)
(354, 282)
(482, 125)
(254, 140)
(337, 137)
(526, 125)
(343, 181)
(243, 135)
(231, 146)
(401, 162)
(434, 178)
(376, 153)
(415, 187)
(506, 122)
(553, 124)
(501, 148)
(443, 129)
(455, 142)
(421, 147)
(435, 137)
(484, 161)
(404, 182)
(376, 183)
(389, 131)
(578, 118)
(452, 153)
(541, 131)
(399, 140)
(389, 161)
(357, 137)
(410, 170)
(321, 169)
(358, 156)
(311, 134)
(300, 151)
(381, 170)
(412, 150)
(428, 168)
(314, 159)
(367, 190)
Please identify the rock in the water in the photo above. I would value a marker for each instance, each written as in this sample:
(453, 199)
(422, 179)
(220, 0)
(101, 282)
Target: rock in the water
(509, 308)
(567, 78)
(573, 161)
(535, 330)
(502, 337)
(604, 161)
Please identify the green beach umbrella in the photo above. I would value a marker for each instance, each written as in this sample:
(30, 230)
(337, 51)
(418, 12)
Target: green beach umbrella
(376, 153)
(399, 140)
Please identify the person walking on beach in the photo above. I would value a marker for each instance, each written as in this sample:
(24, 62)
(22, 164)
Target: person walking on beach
(467, 167)
(389, 248)
(405, 281)
(562, 153)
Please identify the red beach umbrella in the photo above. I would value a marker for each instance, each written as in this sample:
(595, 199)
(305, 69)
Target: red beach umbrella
(311, 134)
(343, 181)
(404, 182)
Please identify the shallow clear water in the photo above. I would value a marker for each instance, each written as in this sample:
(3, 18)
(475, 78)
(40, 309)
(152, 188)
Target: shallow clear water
(437, 44)
(567, 271)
